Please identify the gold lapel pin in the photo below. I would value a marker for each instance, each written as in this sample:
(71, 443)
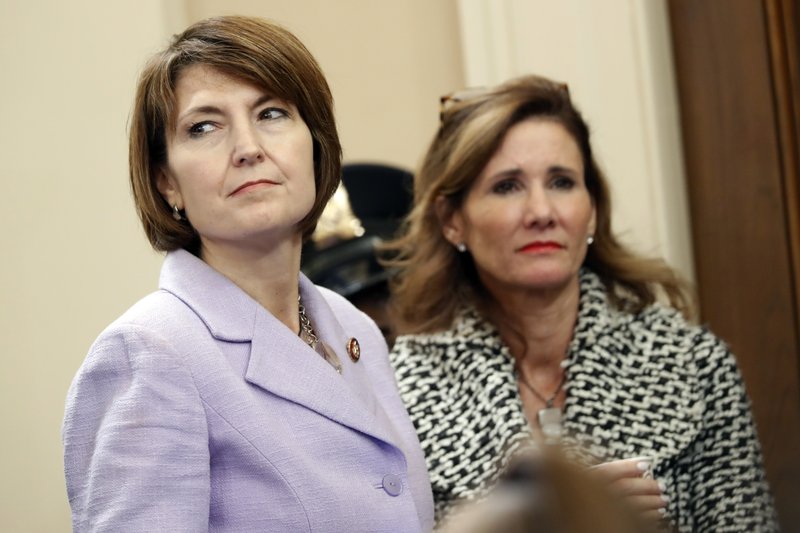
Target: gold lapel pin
(353, 349)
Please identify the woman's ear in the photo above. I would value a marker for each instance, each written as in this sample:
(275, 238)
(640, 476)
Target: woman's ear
(450, 220)
(169, 189)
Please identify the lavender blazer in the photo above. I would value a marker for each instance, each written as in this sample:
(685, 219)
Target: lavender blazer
(197, 410)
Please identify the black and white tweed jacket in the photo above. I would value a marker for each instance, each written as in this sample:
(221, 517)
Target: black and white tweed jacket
(644, 384)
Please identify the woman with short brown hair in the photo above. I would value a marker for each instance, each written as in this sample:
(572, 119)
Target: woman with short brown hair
(239, 396)
(262, 54)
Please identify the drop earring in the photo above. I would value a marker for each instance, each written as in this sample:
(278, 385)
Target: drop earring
(176, 214)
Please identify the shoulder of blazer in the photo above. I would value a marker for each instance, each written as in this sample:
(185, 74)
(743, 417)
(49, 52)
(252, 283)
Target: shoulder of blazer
(161, 312)
(145, 336)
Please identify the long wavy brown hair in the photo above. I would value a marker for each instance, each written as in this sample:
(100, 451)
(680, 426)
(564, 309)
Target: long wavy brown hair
(434, 281)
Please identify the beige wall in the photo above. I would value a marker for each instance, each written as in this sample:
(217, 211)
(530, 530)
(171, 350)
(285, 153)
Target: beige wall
(74, 255)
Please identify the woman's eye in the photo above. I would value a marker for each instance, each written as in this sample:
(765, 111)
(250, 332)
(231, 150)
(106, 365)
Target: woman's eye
(563, 182)
(505, 186)
(272, 113)
(200, 128)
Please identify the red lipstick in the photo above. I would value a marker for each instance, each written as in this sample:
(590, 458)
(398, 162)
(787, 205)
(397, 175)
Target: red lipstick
(541, 246)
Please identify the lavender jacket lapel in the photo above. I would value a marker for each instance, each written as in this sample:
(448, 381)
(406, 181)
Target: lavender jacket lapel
(197, 410)
(280, 362)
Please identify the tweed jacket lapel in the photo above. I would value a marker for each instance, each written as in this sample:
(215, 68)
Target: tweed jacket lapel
(612, 377)
(280, 362)
(618, 369)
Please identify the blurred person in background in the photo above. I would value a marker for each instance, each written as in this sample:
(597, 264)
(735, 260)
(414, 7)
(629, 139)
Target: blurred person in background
(344, 253)
(239, 396)
(545, 493)
(523, 318)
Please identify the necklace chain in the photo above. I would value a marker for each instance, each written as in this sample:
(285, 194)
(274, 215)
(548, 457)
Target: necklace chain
(547, 402)
(305, 326)
(308, 334)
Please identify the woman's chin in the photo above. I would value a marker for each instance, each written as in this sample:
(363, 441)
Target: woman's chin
(549, 280)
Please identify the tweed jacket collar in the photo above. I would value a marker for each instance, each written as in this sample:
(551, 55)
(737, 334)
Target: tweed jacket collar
(638, 384)
(614, 364)
(631, 390)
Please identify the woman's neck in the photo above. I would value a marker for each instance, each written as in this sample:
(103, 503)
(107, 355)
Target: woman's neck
(537, 326)
(269, 275)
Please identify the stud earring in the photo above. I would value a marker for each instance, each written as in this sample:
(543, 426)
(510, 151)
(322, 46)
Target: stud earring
(176, 214)
(461, 247)
(589, 240)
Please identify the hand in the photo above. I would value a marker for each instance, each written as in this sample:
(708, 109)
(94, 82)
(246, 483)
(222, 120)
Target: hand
(632, 480)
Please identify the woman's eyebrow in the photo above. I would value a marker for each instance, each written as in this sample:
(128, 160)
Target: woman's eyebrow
(263, 99)
(205, 109)
(215, 110)
(555, 169)
(507, 173)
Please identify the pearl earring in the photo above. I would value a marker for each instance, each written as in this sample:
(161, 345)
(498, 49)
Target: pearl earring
(176, 214)
(461, 247)
(589, 240)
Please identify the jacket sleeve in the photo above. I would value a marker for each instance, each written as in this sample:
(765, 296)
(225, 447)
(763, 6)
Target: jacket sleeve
(136, 454)
(728, 489)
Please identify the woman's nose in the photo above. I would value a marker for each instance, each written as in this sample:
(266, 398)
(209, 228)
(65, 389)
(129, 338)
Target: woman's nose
(538, 208)
(247, 149)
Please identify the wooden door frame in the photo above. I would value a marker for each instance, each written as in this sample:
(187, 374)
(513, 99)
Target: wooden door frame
(737, 73)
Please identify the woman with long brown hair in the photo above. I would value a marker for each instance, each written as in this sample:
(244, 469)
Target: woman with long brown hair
(526, 319)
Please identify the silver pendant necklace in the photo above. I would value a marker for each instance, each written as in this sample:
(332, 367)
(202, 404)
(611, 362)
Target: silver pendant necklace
(550, 416)
(310, 337)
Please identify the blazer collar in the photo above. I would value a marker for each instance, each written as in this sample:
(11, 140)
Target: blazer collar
(283, 364)
(227, 311)
(280, 362)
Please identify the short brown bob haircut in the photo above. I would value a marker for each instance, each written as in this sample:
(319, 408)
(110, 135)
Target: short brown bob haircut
(249, 49)
(435, 280)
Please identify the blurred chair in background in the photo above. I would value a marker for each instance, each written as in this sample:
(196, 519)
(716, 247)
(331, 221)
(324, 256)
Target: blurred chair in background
(341, 255)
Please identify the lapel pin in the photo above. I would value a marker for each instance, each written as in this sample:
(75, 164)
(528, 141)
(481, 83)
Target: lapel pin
(353, 349)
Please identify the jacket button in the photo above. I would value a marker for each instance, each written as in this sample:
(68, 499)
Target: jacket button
(392, 484)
